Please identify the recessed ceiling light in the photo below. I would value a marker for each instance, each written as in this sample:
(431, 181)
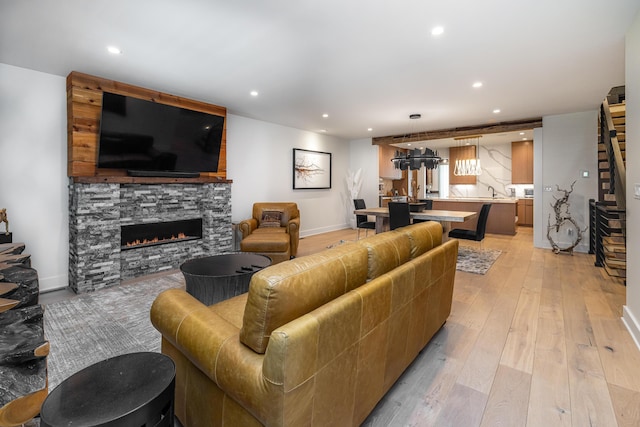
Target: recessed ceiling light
(408, 145)
(436, 31)
(524, 139)
(323, 130)
(521, 133)
(369, 129)
(325, 115)
(114, 50)
(477, 85)
(254, 93)
(496, 111)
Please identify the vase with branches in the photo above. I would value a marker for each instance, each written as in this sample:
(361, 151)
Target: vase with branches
(354, 185)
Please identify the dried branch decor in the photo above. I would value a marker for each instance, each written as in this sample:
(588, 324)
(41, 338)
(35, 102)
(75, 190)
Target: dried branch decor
(563, 221)
(311, 169)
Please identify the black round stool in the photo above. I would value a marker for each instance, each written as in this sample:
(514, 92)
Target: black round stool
(133, 389)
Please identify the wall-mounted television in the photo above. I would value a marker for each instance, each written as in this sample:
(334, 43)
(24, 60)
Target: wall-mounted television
(148, 138)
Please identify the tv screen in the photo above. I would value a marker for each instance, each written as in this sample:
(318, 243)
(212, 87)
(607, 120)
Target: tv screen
(139, 135)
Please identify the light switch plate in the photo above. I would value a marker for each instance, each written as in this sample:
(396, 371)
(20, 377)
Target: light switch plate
(547, 188)
(584, 174)
(636, 191)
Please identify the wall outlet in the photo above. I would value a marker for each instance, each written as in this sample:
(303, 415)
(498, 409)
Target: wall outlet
(547, 188)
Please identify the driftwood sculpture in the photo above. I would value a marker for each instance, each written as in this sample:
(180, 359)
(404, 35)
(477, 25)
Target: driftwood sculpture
(23, 348)
(3, 218)
(563, 218)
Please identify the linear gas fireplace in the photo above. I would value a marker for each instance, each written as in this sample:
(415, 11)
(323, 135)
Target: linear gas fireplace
(167, 223)
(159, 233)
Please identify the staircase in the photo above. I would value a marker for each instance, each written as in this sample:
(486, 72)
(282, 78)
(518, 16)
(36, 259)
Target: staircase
(608, 213)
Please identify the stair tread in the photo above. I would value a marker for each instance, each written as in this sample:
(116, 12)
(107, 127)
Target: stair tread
(615, 263)
(613, 240)
(615, 249)
(616, 272)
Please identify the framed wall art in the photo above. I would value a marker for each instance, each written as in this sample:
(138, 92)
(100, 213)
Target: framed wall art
(311, 169)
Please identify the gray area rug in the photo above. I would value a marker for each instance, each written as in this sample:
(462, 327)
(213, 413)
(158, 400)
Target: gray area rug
(92, 327)
(478, 261)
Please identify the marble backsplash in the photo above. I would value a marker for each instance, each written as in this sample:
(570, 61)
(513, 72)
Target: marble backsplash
(496, 172)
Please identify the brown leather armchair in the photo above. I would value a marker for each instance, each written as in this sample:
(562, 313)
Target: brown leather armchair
(273, 230)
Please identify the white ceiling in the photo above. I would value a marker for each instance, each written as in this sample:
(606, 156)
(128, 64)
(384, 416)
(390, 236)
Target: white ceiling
(366, 63)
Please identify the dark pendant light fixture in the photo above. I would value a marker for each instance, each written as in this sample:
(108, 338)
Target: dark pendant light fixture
(416, 158)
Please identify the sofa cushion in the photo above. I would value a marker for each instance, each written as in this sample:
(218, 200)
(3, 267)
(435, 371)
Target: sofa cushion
(286, 291)
(385, 252)
(231, 309)
(271, 218)
(269, 230)
(289, 210)
(423, 236)
(266, 242)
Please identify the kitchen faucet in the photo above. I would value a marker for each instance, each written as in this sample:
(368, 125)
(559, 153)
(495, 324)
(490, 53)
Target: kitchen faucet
(493, 191)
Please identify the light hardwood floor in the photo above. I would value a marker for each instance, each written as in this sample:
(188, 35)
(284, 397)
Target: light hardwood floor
(537, 341)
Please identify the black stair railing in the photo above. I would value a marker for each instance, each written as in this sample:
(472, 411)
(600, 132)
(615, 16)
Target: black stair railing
(609, 136)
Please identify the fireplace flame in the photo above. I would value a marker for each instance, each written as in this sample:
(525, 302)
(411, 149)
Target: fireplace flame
(155, 240)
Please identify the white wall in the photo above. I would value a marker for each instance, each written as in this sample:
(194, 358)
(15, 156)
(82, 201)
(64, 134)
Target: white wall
(260, 163)
(34, 183)
(33, 171)
(539, 235)
(569, 145)
(631, 312)
(364, 155)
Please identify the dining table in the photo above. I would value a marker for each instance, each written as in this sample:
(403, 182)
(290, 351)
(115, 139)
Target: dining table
(444, 217)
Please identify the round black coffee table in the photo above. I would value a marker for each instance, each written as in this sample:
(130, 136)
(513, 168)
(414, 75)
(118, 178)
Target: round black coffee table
(215, 278)
(133, 389)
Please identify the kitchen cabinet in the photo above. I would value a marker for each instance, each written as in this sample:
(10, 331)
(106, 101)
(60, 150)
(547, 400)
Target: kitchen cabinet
(502, 216)
(461, 153)
(525, 212)
(522, 162)
(385, 165)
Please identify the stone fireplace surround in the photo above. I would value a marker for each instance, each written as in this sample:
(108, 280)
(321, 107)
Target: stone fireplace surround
(97, 211)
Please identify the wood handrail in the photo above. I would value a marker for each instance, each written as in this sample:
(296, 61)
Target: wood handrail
(620, 171)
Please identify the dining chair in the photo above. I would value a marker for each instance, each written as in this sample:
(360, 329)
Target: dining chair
(428, 205)
(399, 215)
(362, 221)
(478, 233)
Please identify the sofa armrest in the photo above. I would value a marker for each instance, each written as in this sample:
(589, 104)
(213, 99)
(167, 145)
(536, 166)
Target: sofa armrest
(247, 226)
(181, 319)
(293, 228)
(212, 345)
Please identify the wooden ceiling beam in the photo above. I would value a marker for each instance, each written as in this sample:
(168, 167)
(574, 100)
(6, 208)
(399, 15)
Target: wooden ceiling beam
(501, 127)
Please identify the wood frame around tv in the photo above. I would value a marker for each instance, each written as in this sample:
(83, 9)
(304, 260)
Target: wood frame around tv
(84, 107)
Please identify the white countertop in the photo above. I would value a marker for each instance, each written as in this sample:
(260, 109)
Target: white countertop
(478, 199)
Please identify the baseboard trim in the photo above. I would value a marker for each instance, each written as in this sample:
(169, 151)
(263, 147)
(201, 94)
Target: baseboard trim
(631, 324)
(53, 283)
(313, 232)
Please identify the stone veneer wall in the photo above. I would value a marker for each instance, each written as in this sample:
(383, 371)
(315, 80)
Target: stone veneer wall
(97, 211)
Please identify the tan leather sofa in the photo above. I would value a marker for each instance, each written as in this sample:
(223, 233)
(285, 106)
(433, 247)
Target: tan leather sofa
(278, 238)
(317, 340)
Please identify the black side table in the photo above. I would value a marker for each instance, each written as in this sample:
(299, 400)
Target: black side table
(215, 278)
(134, 389)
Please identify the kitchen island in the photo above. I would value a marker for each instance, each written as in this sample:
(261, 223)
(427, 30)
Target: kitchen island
(502, 216)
